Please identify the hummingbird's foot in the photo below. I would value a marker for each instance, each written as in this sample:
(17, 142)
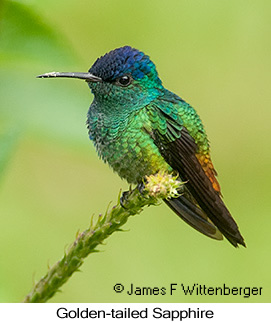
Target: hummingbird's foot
(124, 198)
(141, 189)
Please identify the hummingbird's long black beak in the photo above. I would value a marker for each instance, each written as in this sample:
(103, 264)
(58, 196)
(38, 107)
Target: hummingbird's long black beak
(83, 76)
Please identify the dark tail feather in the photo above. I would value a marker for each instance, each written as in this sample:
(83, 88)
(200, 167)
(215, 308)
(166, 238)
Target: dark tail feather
(194, 216)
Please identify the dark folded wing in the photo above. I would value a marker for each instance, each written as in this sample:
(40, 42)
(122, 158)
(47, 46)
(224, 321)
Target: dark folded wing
(179, 150)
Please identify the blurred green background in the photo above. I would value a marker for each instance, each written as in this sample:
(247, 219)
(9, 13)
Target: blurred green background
(216, 55)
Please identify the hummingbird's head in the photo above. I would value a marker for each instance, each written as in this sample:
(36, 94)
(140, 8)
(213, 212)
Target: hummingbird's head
(128, 78)
(123, 77)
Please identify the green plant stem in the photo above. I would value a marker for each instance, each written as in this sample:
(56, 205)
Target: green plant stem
(87, 241)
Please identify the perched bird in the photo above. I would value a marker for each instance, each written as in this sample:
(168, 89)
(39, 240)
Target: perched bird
(139, 128)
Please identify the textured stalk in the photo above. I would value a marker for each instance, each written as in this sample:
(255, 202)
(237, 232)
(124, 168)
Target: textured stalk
(159, 186)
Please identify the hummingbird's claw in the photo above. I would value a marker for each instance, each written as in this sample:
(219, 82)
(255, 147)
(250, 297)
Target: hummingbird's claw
(141, 188)
(123, 198)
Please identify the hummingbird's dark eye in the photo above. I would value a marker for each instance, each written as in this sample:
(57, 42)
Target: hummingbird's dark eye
(124, 80)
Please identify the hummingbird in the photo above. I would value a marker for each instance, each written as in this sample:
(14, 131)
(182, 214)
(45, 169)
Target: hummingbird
(140, 128)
